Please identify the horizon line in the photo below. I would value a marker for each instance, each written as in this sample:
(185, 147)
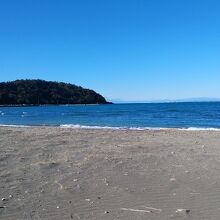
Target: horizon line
(121, 101)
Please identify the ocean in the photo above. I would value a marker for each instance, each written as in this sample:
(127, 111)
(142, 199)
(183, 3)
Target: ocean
(191, 115)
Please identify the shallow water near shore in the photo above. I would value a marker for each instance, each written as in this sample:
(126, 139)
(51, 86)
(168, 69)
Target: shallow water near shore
(190, 116)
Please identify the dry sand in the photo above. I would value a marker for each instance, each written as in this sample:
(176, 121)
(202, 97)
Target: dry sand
(57, 173)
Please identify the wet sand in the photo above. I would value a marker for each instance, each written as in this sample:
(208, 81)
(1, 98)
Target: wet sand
(60, 173)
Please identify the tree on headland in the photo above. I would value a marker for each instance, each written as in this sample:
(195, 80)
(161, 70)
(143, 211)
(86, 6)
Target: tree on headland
(40, 92)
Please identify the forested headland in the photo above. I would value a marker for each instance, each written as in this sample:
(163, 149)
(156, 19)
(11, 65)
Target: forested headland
(41, 92)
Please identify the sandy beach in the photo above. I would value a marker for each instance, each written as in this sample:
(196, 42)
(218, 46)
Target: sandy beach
(61, 173)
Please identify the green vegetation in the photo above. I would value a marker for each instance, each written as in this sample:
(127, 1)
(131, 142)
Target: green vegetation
(40, 92)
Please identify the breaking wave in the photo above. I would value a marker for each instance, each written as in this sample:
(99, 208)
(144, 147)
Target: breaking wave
(77, 126)
(135, 128)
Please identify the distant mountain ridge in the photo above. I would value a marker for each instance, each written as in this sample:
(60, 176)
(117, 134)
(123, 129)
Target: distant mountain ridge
(168, 100)
(41, 92)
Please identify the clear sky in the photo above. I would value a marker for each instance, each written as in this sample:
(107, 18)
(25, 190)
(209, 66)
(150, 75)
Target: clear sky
(124, 49)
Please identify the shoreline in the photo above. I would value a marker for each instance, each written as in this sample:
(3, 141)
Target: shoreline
(107, 103)
(91, 127)
(48, 105)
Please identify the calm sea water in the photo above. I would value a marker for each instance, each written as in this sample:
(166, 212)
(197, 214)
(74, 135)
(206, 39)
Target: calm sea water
(164, 115)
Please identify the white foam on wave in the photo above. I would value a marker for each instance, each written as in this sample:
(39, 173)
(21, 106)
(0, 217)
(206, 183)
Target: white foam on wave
(15, 126)
(110, 128)
(77, 126)
(90, 127)
(136, 128)
(200, 129)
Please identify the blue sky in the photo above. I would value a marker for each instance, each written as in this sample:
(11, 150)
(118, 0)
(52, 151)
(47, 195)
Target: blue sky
(124, 49)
